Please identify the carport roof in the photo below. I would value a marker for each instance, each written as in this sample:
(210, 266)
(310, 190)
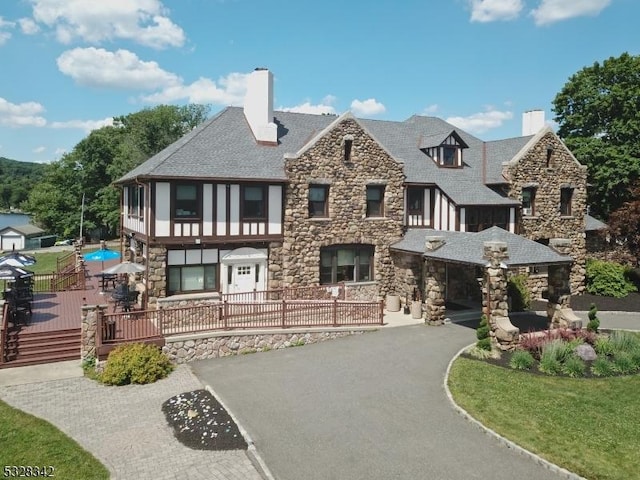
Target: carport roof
(468, 247)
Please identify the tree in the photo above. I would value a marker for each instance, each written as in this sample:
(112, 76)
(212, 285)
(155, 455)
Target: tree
(98, 160)
(624, 222)
(598, 112)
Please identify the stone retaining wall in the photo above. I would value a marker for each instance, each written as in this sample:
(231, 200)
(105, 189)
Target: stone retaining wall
(362, 292)
(183, 351)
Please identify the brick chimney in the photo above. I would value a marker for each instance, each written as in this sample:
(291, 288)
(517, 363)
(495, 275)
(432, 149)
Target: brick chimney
(258, 106)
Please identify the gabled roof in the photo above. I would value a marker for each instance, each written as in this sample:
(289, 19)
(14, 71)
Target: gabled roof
(592, 223)
(224, 148)
(437, 139)
(26, 230)
(468, 247)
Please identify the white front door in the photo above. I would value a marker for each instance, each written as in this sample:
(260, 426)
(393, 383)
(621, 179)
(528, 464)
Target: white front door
(243, 278)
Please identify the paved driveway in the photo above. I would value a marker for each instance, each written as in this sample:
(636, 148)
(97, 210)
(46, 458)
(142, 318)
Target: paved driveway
(368, 407)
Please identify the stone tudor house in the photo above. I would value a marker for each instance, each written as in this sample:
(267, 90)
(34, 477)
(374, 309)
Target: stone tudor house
(255, 199)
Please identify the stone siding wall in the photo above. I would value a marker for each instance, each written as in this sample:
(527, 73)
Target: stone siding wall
(182, 351)
(362, 292)
(324, 162)
(157, 287)
(435, 291)
(408, 274)
(546, 223)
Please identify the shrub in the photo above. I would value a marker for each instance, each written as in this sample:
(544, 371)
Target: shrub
(519, 292)
(549, 365)
(484, 344)
(594, 323)
(604, 347)
(135, 363)
(521, 360)
(482, 332)
(607, 279)
(623, 363)
(622, 341)
(574, 366)
(533, 344)
(482, 354)
(601, 367)
(557, 349)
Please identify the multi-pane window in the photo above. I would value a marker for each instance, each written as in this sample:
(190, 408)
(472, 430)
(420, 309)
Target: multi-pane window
(346, 263)
(375, 200)
(528, 201)
(254, 203)
(478, 218)
(186, 203)
(566, 195)
(192, 278)
(415, 201)
(135, 195)
(318, 204)
(449, 156)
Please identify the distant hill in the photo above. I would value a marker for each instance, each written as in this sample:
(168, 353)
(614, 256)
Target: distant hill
(16, 181)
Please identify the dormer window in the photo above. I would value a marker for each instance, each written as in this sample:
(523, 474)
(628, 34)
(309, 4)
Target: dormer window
(449, 156)
(445, 149)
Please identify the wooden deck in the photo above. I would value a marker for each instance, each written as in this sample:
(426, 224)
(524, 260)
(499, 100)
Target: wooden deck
(61, 311)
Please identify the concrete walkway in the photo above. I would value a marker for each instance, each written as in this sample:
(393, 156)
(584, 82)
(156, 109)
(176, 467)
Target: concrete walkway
(368, 407)
(123, 427)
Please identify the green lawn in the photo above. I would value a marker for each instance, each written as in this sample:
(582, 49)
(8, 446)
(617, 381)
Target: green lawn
(588, 426)
(29, 441)
(46, 261)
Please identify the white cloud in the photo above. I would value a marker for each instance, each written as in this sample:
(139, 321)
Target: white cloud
(86, 125)
(97, 67)
(229, 90)
(308, 107)
(38, 150)
(367, 107)
(430, 109)
(28, 26)
(60, 151)
(21, 114)
(551, 11)
(5, 36)
(142, 21)
(481, 122)
(492, 10)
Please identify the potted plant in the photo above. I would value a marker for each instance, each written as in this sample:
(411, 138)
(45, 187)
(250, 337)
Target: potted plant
(416, 304)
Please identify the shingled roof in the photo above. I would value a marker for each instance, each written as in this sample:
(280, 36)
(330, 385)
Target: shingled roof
(468, 247)
(225, 148)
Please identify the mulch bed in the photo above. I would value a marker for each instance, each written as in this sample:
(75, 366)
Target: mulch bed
(630, 303)
(201, 423)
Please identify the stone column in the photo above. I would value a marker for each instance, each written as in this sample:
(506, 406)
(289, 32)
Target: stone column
(495, 296)
(434, 291)
(89, 330)
(559, 285)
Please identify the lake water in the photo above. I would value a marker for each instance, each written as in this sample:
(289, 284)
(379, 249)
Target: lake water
(13, 220)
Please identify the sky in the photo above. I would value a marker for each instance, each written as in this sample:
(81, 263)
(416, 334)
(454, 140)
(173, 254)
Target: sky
(70, 66)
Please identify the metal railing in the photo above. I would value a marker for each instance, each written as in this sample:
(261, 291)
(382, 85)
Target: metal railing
(63, 263)
(58, 282)
(4, 331)
(280, 314)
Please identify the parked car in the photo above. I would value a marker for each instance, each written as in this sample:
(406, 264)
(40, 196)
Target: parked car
(68, 241)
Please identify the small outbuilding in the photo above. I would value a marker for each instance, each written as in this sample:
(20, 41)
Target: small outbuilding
(16, 238)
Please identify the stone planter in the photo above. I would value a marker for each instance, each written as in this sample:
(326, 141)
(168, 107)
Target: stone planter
(393, 303)
(416, 309)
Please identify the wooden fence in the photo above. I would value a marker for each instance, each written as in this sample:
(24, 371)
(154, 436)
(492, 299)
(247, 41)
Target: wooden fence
(139, 325)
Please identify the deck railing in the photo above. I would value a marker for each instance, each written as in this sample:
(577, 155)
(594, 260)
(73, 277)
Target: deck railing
(59, 282)
(144, 324)
(4, 330)
(65, 262)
